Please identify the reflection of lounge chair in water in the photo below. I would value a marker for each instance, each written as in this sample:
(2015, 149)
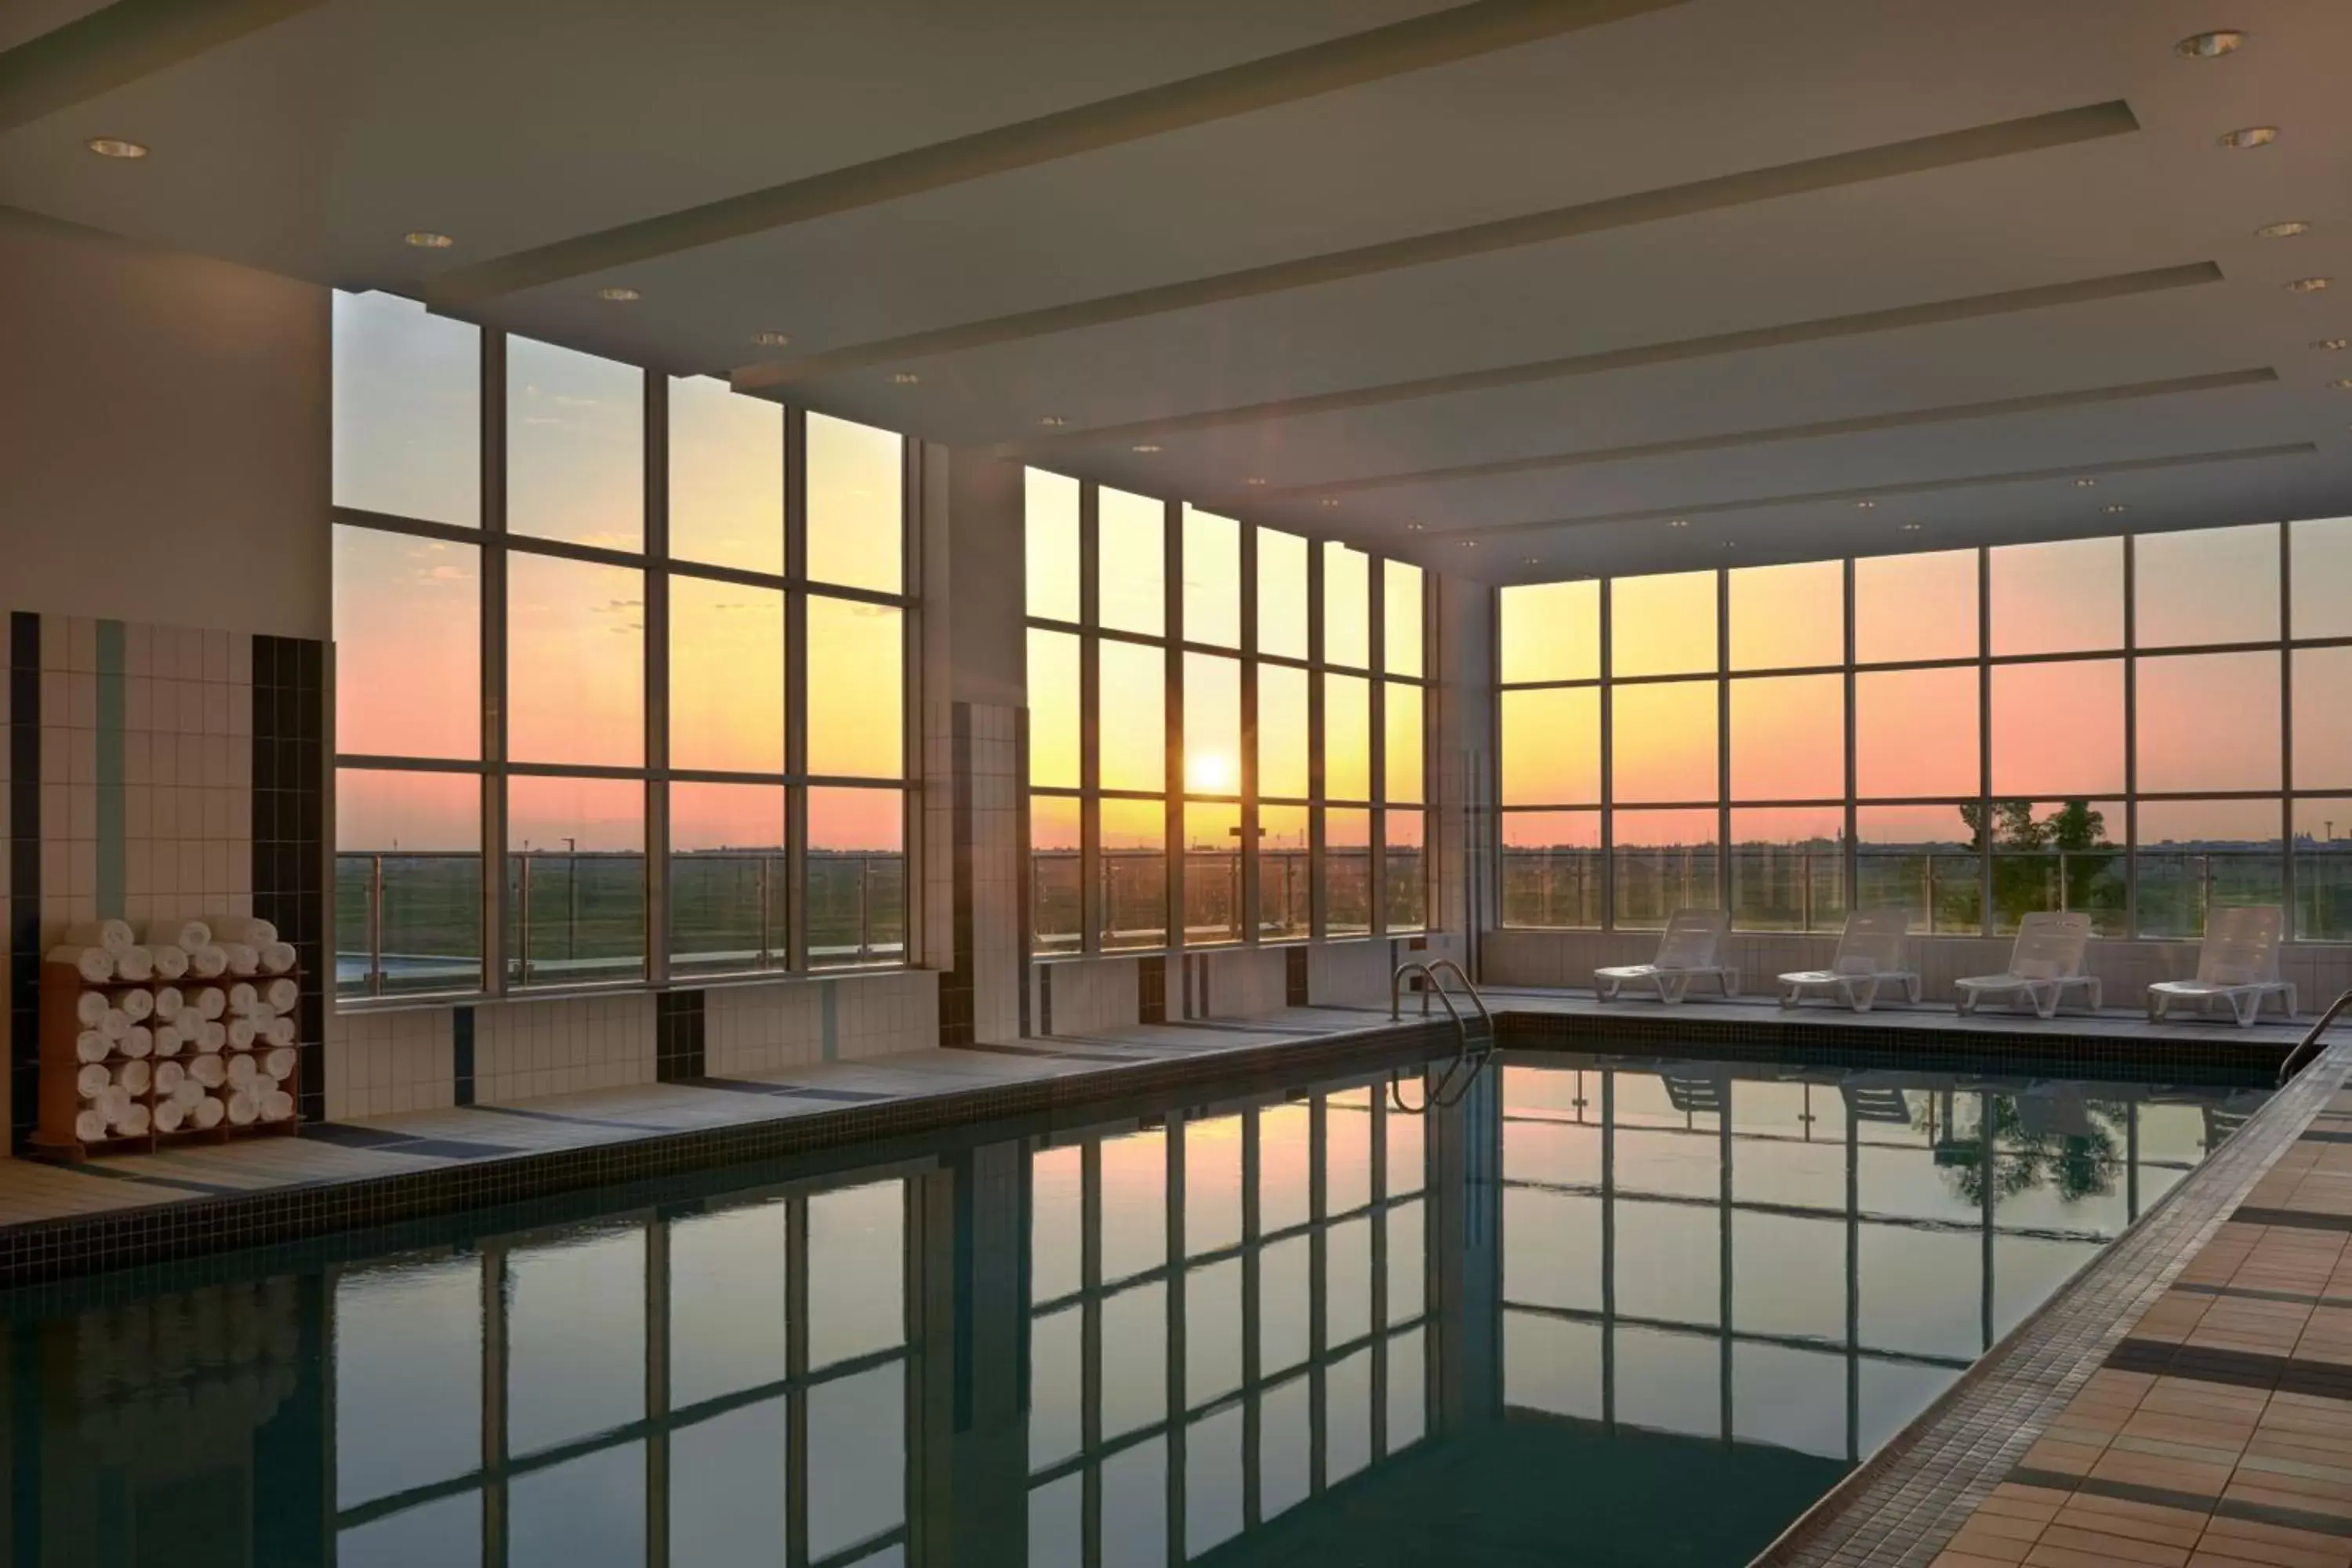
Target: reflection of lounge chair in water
(1693, 1095)
(2046, 963)
(2239, 964)
(1870, 1097)
(1686, 953)
(1872, 951)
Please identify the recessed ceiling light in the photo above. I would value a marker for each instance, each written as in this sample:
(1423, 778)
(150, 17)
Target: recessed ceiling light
(2084, 484)
(2332, 344)
(1328, 500)
(1254, 481)
(2211, 45)
(1467, 543)
(1144, 447)
(426, 239)
(1052, 421)
(1532, 561)
(1730, 544)
(619, 294)
(1913, 527)
(2247, 136)
(115, 147)
(1679, 522)
(771, 340)
(2114, 506)
(904, 378)
(1414, 526)
(2341, 384)
(2286, 230)
(1864, 505)
(2308, 285)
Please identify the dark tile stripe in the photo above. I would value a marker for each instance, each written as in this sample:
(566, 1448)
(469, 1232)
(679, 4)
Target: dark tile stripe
(557, 1117)
(1151, 988)
(1294, 977)
(2292, 1219)
(1008, 1050)
(2247, 1293)
(2189, 1503)
(1022, 892)
(24, 876)
(289, 810)
(461, 1056)
(2238, 1369)
(680, 1036)
(2321, 1136)
(959, 992)
(794, 1091)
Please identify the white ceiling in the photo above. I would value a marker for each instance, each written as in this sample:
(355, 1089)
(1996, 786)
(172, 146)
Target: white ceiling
(309, 145)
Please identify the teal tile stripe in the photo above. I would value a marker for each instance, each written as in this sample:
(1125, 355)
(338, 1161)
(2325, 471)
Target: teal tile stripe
(111, 857)
(832, 1025)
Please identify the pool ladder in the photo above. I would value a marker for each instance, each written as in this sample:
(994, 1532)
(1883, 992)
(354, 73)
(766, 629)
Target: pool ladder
(1455, 1082)
(2297, 1059)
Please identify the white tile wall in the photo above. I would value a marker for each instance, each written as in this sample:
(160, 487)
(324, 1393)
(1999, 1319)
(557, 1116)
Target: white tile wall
(766, 1028)
(1091, 994)
(523, 1050)
(381, 1063)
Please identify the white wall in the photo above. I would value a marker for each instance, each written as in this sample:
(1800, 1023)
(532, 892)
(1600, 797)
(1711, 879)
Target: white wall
(163, 436)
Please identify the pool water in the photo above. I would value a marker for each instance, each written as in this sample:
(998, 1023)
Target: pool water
(1604, 1311)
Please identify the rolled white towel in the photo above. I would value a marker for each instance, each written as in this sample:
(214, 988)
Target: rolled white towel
(243, 998)
(208, 1071)
(186, 935)
(279, 1031)
(169, 1077)
(134, 1121)
(113, 935)
(168, 1002)
(243, 957)
(171, 962)
(243, 1109)
(90, 1010)
(139, 1041)
(209, 1000)
(207, 962)
(138, 1006)
(91, 1045)
(134, 1076)
(250, 930)
(276, 957)
(187, 1094)
(169, 1115)
(211, 1036)
(281, 995)
(276, 1105)
(92, 1079)
(94, 964)
(278, 1065)
(241, 1072)
(169, 1039)
(208, 1112)
(115, 1024)
(89, 1125)
(241, 1034)
(135, 963)
(114, 1100)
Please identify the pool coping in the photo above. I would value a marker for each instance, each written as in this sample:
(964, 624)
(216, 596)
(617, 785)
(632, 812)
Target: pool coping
(39, 1252)
(1904, 1502)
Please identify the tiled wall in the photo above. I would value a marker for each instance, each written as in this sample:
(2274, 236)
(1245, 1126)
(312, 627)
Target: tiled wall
(974, 834)
(1082, 995)
(2321, 973)
(131, 793)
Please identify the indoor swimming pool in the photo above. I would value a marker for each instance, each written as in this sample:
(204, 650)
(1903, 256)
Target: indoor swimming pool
(1606, 1309)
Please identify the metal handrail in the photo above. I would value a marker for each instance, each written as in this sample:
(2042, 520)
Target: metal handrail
(1447, 1094)
(2303, 1053)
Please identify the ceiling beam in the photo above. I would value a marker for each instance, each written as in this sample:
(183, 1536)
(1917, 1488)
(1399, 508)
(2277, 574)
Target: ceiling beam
(118, 46)
(1919, 154)
(1823, 328)
(1880, 492)
(1912, 419)
(1440, 38)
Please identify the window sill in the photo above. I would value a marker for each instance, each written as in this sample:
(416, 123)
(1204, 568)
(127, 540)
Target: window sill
(422, 1003)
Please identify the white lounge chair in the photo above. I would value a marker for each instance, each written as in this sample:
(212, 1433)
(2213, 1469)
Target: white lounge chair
(2046, 963)
(2239, 964)
(1872, 951)
(1686, 953)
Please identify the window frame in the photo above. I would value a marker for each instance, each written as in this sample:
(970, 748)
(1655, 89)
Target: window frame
(502, 973)
(2128, 653)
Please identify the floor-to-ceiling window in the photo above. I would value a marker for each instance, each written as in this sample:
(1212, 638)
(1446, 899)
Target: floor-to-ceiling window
(2139, 727)
(1227, 729)
(621, 674)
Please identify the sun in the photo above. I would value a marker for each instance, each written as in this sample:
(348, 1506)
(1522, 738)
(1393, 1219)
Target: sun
(1210, 772)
